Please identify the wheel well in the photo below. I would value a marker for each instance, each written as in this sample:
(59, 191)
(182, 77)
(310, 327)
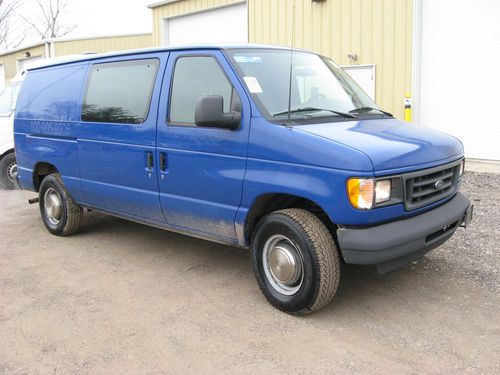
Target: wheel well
(7, 153)
(268, 203)
(42, 170)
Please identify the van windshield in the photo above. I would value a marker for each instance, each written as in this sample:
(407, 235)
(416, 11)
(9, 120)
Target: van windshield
(319, 87)
(8, 98)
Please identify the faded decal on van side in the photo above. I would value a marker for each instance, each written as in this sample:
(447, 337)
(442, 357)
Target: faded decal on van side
(55, 128)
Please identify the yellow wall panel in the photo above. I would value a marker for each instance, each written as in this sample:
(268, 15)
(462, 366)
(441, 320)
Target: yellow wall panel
(105, 44)
(9, 60)
(378, 31)
(76, 46)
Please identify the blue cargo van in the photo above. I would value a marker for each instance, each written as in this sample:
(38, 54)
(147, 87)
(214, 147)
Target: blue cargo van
(261, 147)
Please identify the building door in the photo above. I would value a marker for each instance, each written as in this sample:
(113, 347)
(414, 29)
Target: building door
(364, 75)
(219, 25)
(459, 75)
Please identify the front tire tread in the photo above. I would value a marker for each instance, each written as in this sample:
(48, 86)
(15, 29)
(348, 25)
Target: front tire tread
(324, 254)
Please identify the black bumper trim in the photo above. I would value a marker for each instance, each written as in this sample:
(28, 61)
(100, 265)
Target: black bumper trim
(392, 245)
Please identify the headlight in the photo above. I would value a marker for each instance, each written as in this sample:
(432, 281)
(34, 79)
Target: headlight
(382, 191)
(462, 168)
(364, 193)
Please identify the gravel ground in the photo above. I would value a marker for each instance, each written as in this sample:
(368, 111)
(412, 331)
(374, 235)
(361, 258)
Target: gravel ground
(473, 254)
(125, 298)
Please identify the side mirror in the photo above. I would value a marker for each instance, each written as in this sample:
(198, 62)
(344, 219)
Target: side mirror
(210, 113)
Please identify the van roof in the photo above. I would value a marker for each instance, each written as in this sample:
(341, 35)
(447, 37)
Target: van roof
(89, 57)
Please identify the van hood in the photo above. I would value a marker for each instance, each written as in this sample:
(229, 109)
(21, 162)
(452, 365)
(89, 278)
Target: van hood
(390, 143)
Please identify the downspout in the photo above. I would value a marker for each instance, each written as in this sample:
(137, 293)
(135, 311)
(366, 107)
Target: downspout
(417, 59)
(46, 49)
(52, 49)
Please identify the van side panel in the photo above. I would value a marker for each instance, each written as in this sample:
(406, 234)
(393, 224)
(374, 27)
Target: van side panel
(48, 109)
(114, 156)
(201, 186)
(52, 94)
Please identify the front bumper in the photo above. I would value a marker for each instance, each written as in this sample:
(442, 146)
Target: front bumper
(390, 246)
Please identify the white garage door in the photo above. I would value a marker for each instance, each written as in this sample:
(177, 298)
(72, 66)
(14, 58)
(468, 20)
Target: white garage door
(460, 72)
(220, 25)
(28, 62)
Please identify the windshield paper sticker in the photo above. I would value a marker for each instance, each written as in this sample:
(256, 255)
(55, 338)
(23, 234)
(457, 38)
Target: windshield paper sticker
(253, 85)
(248, 59)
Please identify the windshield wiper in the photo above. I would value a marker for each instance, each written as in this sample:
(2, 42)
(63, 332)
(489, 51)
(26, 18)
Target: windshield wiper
(312, 109)
(369, 109)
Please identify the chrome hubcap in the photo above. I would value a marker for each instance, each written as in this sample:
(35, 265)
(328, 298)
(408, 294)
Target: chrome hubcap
(283, 264)
(53, 206)
(12, 172)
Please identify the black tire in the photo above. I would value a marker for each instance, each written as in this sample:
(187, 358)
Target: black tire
(320, 260)
(8, 170)
(63, 221)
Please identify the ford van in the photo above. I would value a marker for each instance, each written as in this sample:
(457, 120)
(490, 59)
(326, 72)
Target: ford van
(266, 148)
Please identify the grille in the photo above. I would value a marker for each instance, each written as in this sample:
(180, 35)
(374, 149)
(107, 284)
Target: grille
(430, 185)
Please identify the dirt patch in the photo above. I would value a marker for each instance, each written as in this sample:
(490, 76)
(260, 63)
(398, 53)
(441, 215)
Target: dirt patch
(126, 298)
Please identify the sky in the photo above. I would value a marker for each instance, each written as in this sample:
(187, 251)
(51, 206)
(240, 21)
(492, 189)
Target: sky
(97, 17)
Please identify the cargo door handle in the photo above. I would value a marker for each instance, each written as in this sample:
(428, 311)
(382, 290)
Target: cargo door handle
(149, 158)
(163, 161)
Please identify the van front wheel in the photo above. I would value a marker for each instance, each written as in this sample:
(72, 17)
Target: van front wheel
(60, 214)
(295, 261)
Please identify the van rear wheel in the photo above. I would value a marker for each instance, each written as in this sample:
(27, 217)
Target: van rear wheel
(8, 171)
(295, 261)
(60, 214)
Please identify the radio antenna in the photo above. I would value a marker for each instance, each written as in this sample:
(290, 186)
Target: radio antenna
(289, 125)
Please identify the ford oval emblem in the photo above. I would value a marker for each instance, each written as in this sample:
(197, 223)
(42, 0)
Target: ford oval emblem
(439, 184)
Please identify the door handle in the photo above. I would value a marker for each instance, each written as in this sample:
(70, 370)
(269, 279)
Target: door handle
(149, 158)
(163, 161)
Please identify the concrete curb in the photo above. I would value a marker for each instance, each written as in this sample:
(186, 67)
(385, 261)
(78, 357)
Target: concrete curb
(484, 166)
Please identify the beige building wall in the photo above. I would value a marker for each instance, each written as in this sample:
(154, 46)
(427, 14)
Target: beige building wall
(378, 31)
(104, 44)
(181, 7)
(62, 47)
(10, 60)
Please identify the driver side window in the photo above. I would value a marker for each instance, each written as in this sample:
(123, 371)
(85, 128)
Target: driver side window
(196, 76)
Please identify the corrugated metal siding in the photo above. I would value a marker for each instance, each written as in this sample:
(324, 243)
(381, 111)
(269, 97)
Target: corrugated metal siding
(10, 60)
(77, 46)
(181, 7)
(105, 44)
(378, 31)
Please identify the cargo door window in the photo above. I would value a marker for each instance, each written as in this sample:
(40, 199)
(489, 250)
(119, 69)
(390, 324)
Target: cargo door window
(120, 92)
(196, 76)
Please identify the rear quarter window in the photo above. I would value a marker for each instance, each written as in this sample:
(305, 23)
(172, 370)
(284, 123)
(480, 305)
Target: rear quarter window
(120, 92)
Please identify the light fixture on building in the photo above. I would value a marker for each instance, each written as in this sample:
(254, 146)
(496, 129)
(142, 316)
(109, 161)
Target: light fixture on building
(26, 54)
(352, 56)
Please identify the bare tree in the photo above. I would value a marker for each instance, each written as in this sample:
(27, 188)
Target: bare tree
(8, 38)
(48, 22)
